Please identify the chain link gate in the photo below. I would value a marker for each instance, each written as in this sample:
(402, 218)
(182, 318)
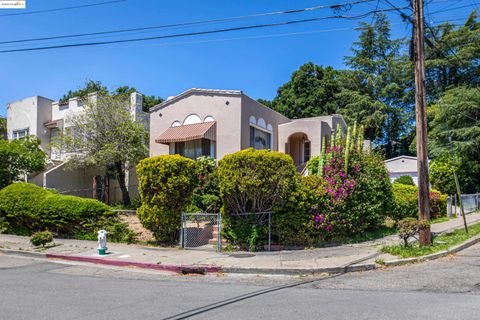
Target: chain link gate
(201, 231)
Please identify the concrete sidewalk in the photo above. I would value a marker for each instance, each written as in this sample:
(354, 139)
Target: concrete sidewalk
(332, 259)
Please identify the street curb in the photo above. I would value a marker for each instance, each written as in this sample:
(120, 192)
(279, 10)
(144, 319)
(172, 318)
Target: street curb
(300, 271)
(433, 256)
(23, 253)
(181, 269)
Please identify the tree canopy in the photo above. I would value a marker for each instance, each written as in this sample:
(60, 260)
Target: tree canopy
(3, 128)
(92, 86)
(107, 135)
(19, 157)
(456, 116)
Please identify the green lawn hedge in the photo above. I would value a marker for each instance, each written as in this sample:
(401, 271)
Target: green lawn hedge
(406, 202)
(28, 208)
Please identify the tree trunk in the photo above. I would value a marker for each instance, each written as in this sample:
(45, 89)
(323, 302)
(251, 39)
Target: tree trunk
(120, 175)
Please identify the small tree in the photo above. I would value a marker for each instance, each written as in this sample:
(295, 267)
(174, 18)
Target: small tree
(19, 157)
(409, 227)
(107, 135)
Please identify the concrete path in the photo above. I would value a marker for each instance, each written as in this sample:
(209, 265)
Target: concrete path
(331, 259)
(455, 223)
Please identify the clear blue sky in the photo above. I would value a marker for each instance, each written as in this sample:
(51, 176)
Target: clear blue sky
(258, 66)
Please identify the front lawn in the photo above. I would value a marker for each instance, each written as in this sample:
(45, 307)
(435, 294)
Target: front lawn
(440, 243)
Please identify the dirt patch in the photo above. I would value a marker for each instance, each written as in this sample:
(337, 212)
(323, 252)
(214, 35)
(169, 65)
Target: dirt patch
(134, 224)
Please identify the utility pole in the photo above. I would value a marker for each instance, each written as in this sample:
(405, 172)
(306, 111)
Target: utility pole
(421, 120)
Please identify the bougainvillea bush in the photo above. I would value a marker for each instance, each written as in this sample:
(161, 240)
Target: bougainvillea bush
(358, 193)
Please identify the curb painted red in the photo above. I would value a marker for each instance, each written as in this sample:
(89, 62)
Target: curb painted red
(181, 269)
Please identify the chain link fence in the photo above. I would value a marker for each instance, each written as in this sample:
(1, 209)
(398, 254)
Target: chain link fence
(470, 202)
(201, 231)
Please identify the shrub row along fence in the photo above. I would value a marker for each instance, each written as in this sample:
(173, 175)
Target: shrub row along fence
(470, 202)
(203, 231)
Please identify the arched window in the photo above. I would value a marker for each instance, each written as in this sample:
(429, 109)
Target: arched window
(269, 127)
(261, 123)
(253, 120)
(191, 119)
(209, 119)
(176, 123)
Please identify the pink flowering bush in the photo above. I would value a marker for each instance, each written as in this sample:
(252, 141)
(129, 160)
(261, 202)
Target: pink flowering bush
(356, 199)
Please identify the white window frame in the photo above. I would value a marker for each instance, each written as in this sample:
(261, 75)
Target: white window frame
(16, 133)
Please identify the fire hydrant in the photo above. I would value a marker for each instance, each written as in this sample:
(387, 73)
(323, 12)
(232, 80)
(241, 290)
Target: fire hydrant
(102, 242)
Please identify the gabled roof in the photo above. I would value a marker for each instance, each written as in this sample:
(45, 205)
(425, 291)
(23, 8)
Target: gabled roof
(191, 91)
(401, 157)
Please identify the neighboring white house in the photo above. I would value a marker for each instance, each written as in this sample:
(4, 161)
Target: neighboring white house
(402, 166)
(45, 119)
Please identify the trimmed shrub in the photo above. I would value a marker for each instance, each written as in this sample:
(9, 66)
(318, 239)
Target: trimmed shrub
(253, 181)
(409, 227)
(21, 205)
(166, 185)
(407, 180)
(41, 238)
(28, 208)
(406, 202)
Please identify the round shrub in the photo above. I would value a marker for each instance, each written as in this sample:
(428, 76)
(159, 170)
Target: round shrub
(407, 180)
(41, 238)
(166, 184)
(21, 205)
(253, 181)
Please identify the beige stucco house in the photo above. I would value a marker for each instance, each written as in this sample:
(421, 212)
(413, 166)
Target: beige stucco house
(45, 119)
(205, 122)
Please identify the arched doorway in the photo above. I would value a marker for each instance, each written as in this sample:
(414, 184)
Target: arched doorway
(299, 149)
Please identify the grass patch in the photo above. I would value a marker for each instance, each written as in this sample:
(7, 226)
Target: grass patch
(440, 243)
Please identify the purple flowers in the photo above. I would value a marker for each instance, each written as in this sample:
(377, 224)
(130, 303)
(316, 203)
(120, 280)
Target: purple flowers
(339, 185)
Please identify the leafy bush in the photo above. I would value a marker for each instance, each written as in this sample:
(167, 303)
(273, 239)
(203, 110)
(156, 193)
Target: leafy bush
(409, 227)
(28, 208)
(358, 194)
(406, 202)
(166, 185)
(19, 157)
(407, 180)
(41, 238)
(253, 181)
(293, 223)
(206, 196)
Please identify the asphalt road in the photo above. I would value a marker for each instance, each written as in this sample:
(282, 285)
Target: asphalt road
(444, 289)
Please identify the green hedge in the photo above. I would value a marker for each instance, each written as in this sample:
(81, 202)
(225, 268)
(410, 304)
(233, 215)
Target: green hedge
(253, 181)
(28, 208)
(405, 180)
(166, 184)
(406, 202)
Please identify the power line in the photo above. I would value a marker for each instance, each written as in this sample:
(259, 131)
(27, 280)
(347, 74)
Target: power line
(248, 27)
(61, 9)
(199, 22)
